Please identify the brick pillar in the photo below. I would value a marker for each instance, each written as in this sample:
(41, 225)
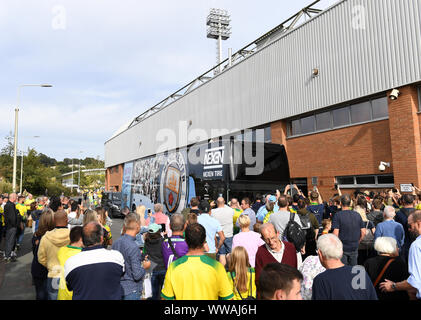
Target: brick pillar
(278, 131)
(405, 137)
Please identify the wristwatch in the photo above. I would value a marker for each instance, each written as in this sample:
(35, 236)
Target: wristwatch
(394, 286)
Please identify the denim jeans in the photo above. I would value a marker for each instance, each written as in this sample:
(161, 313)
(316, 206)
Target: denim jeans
(350, 258)
(157, 281)
(41, 289)
(52, 288)
(226, 247)
(135, 295)
(21, 234)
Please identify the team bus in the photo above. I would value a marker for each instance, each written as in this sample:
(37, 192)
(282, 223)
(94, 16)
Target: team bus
(227, 168)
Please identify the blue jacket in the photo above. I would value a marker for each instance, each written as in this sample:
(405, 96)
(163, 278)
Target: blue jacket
(391, 228)
(132, 279)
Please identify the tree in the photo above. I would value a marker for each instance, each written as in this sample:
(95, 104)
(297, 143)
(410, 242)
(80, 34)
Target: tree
(35, 175)
(9, 147)
(6, 159)
(47, 161)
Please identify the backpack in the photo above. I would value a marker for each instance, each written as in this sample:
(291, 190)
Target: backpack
(306, 225)
(318, 211)
(294, 233)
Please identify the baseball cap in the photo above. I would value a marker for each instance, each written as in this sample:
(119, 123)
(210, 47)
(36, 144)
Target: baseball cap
(272, 199)
(204, 206)
(153, 227)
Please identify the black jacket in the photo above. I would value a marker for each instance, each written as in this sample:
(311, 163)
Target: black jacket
(11, 215)
(153, 248)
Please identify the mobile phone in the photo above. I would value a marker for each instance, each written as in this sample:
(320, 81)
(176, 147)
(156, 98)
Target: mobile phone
(314, 188)
(336, 186)
(149, 210)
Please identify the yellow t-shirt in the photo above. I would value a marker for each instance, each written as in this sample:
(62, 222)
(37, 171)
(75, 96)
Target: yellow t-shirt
(244, 294)
(196, 278)
(28, 203)
(2, 216)
(418, 207)
(237, 213)
(63, 254)
(22, 209)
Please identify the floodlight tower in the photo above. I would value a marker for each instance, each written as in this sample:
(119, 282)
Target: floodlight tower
(218, 28)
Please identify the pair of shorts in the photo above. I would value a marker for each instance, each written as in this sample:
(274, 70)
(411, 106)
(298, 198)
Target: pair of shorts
(226, 246)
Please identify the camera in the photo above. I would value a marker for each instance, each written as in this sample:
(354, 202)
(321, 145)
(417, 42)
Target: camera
(383, 165)
(394, 94)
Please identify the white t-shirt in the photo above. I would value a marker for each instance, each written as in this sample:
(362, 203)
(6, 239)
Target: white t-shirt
(73, 216)
(225, 217)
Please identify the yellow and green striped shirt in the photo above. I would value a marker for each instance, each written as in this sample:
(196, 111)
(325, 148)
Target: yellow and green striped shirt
(196, 278)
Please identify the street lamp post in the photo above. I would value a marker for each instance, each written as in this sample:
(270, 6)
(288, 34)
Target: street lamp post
(21, 168)
(78, 184)
(21, 173)
(15, 147)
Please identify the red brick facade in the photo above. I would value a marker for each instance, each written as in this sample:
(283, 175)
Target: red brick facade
(114, 178)
(358, 149)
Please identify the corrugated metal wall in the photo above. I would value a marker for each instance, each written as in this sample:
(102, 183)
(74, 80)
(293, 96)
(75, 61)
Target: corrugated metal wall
(360, 46)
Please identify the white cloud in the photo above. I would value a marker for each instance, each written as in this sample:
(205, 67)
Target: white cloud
(113, 60)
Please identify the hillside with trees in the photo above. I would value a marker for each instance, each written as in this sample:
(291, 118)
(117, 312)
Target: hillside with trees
(41, 173)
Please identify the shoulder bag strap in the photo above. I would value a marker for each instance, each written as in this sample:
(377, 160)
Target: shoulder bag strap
(233, 282)
(251, 284)
(382, 272)
(172, 247)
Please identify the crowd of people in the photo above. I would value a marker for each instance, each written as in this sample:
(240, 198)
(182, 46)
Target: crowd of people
(283, 246)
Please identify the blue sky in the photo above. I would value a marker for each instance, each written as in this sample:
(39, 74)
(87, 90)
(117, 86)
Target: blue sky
(109, 61)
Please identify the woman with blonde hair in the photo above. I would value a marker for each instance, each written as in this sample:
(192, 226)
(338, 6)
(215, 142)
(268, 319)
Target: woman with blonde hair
(247, 239)
(38, 271)
(140, 210)
(89, 216)
(241, 275)
(140, 241)
(365, 248)
(102, 219)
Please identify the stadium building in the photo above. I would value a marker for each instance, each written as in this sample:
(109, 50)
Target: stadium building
(332, 100)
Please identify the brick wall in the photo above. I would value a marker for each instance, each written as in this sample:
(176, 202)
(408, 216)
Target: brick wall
(114, 178)
(405, 136)
(358, 150)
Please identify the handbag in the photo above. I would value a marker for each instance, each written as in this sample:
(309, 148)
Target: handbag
(147, 286)
(367, 242)
(250, 296)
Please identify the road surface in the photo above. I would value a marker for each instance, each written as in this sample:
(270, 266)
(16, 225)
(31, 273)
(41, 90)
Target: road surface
(15, 277)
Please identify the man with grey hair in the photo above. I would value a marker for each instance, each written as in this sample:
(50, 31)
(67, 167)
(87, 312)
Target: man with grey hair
(274, 250)
(390, 228)
(175, 247)
(94, 273)
(12, 219)
(339, 281)
(132, 280)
